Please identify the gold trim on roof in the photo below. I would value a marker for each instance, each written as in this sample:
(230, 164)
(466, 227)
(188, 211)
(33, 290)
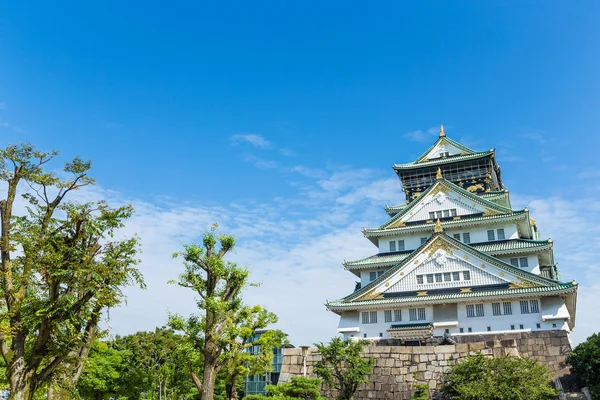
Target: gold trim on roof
(439, 175)
(438, 227)
(442, 133)
(522, 283)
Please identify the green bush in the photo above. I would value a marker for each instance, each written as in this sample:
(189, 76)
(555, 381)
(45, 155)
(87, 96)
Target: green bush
(585, 362)
(506, 378)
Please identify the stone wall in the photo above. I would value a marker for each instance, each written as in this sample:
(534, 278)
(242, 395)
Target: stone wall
(398, 368)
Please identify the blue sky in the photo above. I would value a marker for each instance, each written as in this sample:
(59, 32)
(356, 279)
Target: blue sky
(281, 120)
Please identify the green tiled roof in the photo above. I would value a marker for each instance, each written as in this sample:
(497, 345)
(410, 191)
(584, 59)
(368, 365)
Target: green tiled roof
(561, 288)
(498, 193)
(383, 259)
(463, 221)
(442, 236)
(446, 139)
(444, 160)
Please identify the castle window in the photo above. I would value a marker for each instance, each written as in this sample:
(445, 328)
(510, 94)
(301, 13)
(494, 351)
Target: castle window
(489, 328)
(447, 277)
(373, 317)
(524, 307)
(496, 309)
(365, 318)
(523, 261)
(466, 275)
(387, 314)
(538, 326)
(379, 273)
(416, 314)
(446, 213)
(501, 235)
(456, 276)
(474, 310)
(439, 214)
(397, 315)
(364, 335)
(466, 237)
(372, 275)
(456, 236)
(512, 327)
(470, 329)
(554, 325)
(521, 326)
(438, 278)
(400, 245)
(514, 262)
(380, 334)
(393, 245)
(431, 214)
(447, 331)
(534, 306)
(423, 240)
(461, 330)
(429, 278)
(490, 234)
(453, 212)
(419, 279)
(507, 308)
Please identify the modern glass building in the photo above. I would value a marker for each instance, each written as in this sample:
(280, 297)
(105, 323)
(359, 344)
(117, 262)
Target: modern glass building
(255, 384)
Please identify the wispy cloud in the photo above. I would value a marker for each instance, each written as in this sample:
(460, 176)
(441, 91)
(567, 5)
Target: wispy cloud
(260, 162)
(253, 139)
(309, 172)
(422, 135)
(287, 152)
(537, 135)
(4, 124)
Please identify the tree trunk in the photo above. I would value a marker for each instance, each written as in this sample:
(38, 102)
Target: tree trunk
(21, 385)
(208, 382)
(231, 389)
(99, 395)
(58, 393)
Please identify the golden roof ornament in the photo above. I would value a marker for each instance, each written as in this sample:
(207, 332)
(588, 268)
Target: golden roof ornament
(439, 175)
(438, 227)
(442, 134)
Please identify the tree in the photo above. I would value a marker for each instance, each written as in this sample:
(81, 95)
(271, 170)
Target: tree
(102, 372)
(342, 367)
(298, 388)
(421, 392)
(59, 268)
(585, 362)
(505, 378)
(243, 356)
(218, 283)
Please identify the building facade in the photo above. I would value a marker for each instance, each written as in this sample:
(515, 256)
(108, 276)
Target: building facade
(455, 258)
(255, 384)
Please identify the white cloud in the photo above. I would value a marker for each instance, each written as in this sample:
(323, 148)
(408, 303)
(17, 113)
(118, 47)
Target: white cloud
(422, 135)
(309, 172)
(255, 140)
(260, 163)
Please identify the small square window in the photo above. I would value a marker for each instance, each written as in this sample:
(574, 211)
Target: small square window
(380, 334)
(364, 335)
(554, 325)
(456, 236)
(447, 331)
(523, 261)
(400, 245)
(419, 279)
(521, 326)
(453, 212)
(470, 329)
(461, 330)
(431, 214)
(512, 327)
(514, 262)
(466, 238)
(491, 235)
(489, 328)
(501, 235)
(447, 277)
(456, 276)
(439, 214)
(446, 213)
(538, 326)
(393, 245)
(438, 278)
(466, 275)
(429, 278)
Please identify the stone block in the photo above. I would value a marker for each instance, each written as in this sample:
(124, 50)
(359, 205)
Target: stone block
(462, 347)
(476, 346)
(450, 348)
(423, 357)
(422, 367)
(422, 349)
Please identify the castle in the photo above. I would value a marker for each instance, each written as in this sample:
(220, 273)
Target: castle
(455, 259)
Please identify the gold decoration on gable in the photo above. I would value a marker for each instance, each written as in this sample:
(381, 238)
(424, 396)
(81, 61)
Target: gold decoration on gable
(421, 293)
(371, 296)
(466, 290)
(522, 283)
(474, 188)
(398, 224)
(415, 195)
(439, 188)
(440, 244)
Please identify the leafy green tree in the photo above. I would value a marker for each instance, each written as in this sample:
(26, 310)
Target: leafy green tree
(102, 372)
(242, 356)
(214, 334)
(59, 268)
(585, 362)
(504, 378)
(421, 392)
(342, 366)
(298, 388)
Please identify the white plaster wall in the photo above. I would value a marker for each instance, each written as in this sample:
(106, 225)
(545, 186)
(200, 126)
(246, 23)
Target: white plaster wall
(440, 202)
(478, 277)
(442, 147)
(478, 235)
(499, 323)
(554, 307)
(532, 262)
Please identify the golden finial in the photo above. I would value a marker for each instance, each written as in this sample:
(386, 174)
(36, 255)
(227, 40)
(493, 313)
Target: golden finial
(438, 227)
(439, 175)
(442, 134)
